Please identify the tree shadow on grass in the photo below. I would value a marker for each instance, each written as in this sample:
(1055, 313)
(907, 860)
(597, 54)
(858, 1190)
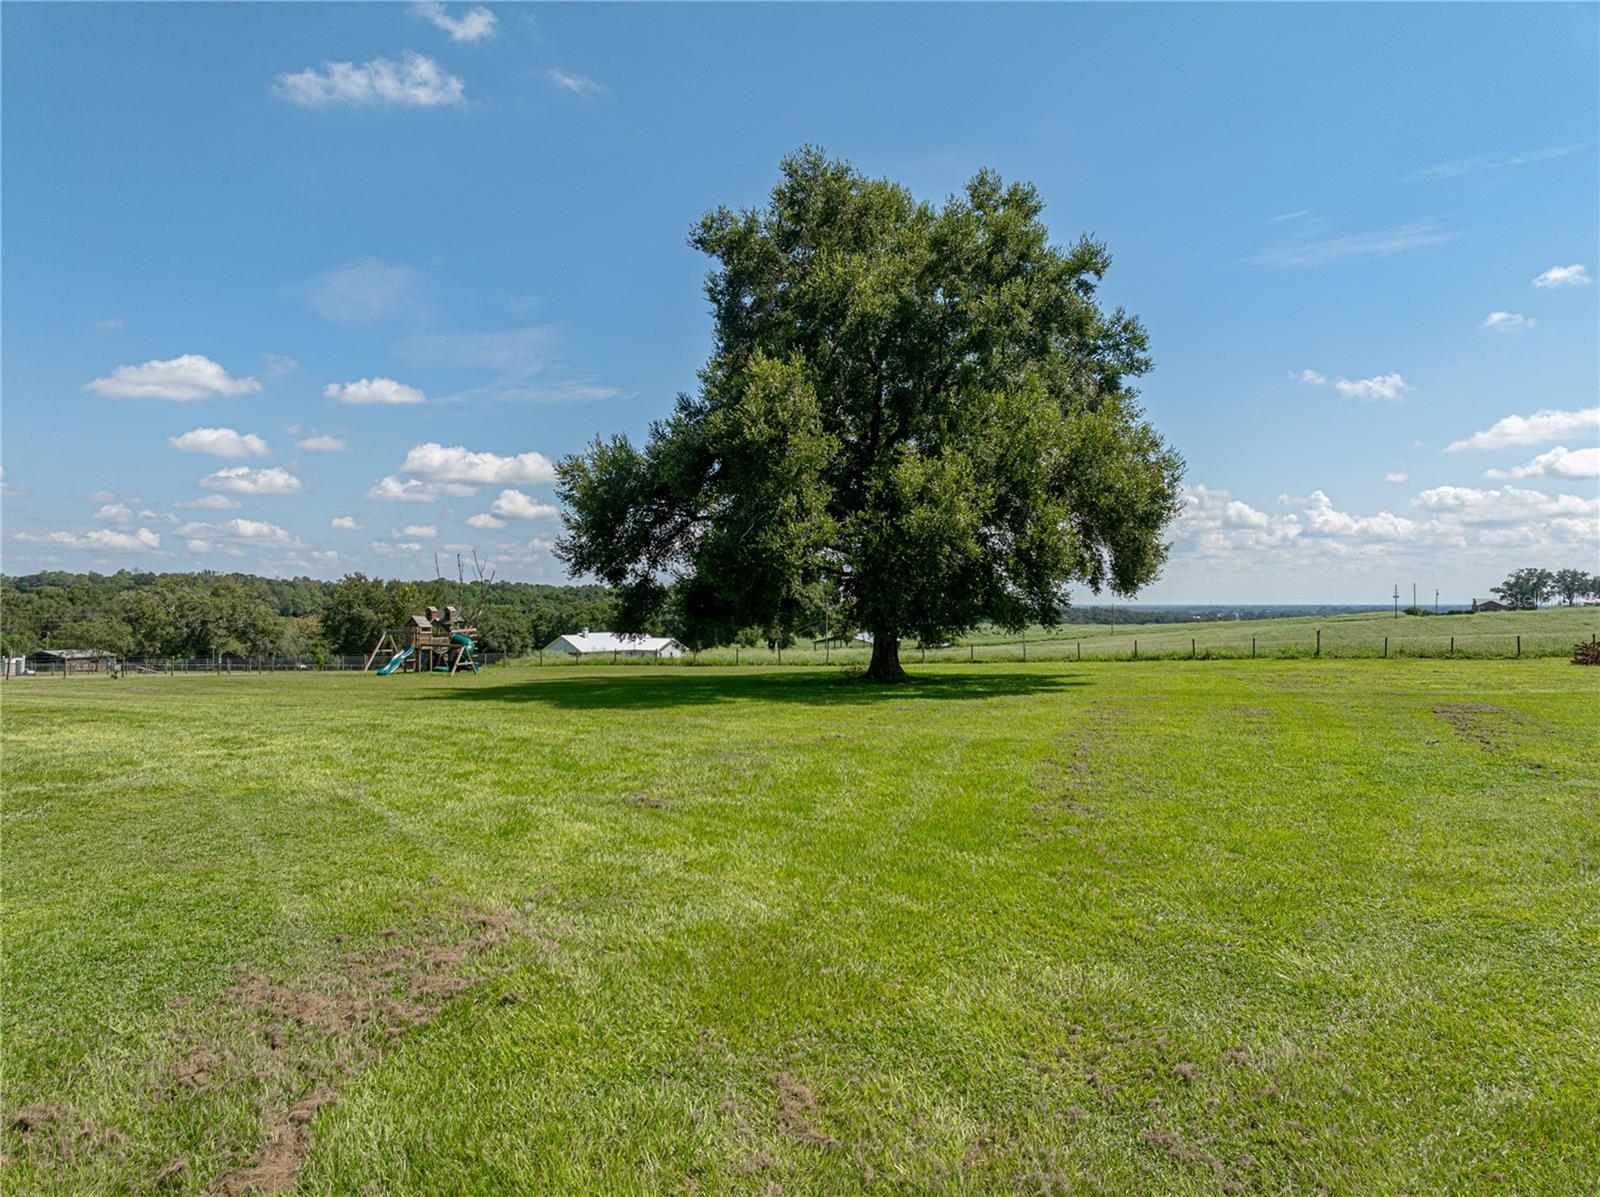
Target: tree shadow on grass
(638, 690)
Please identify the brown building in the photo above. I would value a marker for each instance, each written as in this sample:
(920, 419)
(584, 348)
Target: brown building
(76, 660)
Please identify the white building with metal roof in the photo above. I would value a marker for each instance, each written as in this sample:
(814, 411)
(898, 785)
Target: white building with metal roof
(585, 643)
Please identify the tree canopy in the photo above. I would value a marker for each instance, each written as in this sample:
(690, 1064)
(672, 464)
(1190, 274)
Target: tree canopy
(920, 413)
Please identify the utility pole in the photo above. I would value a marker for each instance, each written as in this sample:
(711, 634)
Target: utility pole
(1397, 600)
(1436, 600)
(1413, 596)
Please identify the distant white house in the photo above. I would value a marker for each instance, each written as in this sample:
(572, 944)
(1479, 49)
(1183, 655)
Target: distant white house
(620, 644)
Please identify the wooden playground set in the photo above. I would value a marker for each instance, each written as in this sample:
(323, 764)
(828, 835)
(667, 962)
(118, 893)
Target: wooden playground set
(437, 642)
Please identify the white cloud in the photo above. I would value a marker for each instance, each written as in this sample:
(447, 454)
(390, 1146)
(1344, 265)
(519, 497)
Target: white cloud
(1546, 425)
(516, 505)
(158, 516)
(259, 531)
(1509, 505)
(10, 488)
(220, 442)
(1396, 476)
(1559, 462)
(1575, 275)
(472, 26)
(138, 541)
(437, 463)
(364, 292)
(214, 502)
(1323, 519)
(1306, 251)
(409, 490)
(115, 513)
(1508, 321)
(322, 444)
(325, 554)
(242, 480)
(279, 364)
(101, 496)
(578, 85)
(419, 531)
(416, 81)
(1477, 162)
(344, 521)
(374, 390)
(1387, 387)
(407, 546)
(485, 520)
(185, 378)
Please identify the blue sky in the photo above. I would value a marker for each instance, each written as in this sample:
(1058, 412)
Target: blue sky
(265, 311)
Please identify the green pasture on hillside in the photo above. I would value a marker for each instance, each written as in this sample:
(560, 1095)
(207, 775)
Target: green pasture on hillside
(1196, 928)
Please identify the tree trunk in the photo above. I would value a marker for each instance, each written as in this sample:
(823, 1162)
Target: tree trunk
(885, 666)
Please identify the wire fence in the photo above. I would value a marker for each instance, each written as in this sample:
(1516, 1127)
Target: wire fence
(1160, 645)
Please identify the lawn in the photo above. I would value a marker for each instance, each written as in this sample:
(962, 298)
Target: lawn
(1176, 927)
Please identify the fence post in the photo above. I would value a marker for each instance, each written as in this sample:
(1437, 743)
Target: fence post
(1252, 647)
(1386, 648)
(1519, 646)
(1452, 646)
(1191, 648)
(1319, 642)
(1024, 649)
(1080, 650)
(970, 657)
(924, 654)
(780, 654)
(735, 654)
(1136, 650)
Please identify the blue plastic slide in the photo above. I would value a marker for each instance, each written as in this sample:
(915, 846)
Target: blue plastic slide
(396, 661)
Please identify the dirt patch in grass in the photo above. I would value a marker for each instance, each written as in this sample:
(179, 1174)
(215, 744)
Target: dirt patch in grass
(286, 1044)
(1483, 723)
(797, 1111)
(650, 801)
(312, 1033)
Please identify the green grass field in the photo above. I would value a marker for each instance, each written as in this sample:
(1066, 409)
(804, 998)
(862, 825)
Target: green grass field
(1212, 927)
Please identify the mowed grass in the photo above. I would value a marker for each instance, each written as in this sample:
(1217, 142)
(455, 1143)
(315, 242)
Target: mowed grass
(1242, 927)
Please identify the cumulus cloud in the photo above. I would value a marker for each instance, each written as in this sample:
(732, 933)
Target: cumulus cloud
(1396, 476)
(242, 480)
(322, 444)
(438, 463)
(220, 442)
(1389, 388)
(140, 540)
(1508, 504)
(416, 81)
(1559, 462)
(325, 554)
(1508, 321)
(485, 520)
(516, 505)
(182, 379)
(1575, 275)
(258, 530)
(578, 85)
(114, 513)
(413, 490)
(214, 502)
(1546, 425)
(10, 488)
(474, 25)
(343, 521)
(279, 364)
(1323, 519)
(419, 531)
(374, 390)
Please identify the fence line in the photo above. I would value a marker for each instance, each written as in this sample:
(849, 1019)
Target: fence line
(1477, 646)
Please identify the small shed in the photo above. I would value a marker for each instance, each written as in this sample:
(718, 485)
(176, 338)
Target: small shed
(77, 660)
(585, 643)
(1490, 605)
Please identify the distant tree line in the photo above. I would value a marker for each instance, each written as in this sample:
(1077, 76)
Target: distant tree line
(1528, 588)
(148, 615)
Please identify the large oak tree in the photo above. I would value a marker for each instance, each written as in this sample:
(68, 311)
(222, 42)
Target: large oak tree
(923, 409)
